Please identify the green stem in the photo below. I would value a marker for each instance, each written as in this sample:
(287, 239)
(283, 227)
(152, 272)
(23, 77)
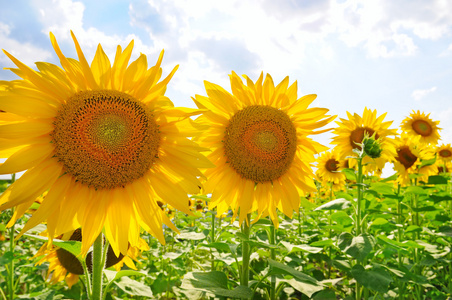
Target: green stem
(98, 268)
(212, 240)
(87, 277)
(12, 245)
(272, 242)
(244, 278)
(359, 226)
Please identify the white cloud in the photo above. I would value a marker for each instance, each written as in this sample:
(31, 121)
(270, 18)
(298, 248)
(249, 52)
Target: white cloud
(419, 94)
(25, 52)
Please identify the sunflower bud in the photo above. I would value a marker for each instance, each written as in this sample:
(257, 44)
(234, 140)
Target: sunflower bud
(372, 146)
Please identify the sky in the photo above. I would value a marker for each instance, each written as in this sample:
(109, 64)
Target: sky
(394, 56)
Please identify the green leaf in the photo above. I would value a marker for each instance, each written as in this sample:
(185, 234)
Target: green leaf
(390, 178)
(6, 258)
(113, 275)
(349, 174)
(413, 228)
(379, 222)
(358, 247)
(303, 247)
(133, 287)
(279, 268)
(382, 188)
(73, 247)
(300, 281)
(214, 282)
(336, 204)
(441, 197)
(303, 287)
(190, 235)
(323, 243)
(437, 179)
(41, 295)
(415, 190)
(425, 208)
(376, 279)
(427, 162)
(2, 227)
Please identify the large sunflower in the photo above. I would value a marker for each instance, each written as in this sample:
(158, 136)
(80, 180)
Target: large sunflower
(65, 266)
(409, 159)
(419, 124)
(351, 132)
(103, 140)
(260, 146)
(328, 170)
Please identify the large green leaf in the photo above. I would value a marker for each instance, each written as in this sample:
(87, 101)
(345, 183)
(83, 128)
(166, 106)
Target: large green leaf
(437, 179)
(356, 246)
(336, 204)
(382, 188)
(133, 287)
(376, 279)
(214, 282)
(300, 281)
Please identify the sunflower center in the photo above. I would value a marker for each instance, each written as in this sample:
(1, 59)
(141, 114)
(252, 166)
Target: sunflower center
(332, 165)
(260, 143)
(357, 136)
(422, 127)
(105, 139)
(445, 153)
(406, 157)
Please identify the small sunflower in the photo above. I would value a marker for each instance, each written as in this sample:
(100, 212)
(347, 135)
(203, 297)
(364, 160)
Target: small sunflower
(419, 124)
(65, 266)
(260, 145)
(328, 170)
(409, 159)
(443, 158)
(105, 143)
(351, 132)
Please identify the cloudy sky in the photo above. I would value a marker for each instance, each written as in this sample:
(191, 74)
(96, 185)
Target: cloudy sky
(393, 56)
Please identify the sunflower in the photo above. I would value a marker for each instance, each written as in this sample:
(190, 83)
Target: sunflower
(409, 159)
(328, 170)
(65, 266)
(419, 124)
(443, 158)
(105, 143)
(260, 146)
(351, 132)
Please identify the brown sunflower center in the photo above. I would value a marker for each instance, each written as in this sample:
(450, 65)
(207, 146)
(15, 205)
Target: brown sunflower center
(406, 157)
(445, 153)
(422, 127)
(260, 143)
(357, 136)
(73, 265)
(105, 139)
(332, 165)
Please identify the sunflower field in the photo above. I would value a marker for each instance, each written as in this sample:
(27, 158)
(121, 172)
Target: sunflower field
(121, 195)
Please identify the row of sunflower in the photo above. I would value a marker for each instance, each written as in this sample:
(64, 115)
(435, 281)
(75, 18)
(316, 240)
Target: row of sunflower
(417, 143)
(105, 151)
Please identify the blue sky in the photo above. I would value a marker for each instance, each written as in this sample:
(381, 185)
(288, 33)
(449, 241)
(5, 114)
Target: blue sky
(393, 56)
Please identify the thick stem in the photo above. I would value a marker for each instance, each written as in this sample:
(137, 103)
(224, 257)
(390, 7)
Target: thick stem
(272, 242)
(98, 267)
(12, 245)
(244, 278)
